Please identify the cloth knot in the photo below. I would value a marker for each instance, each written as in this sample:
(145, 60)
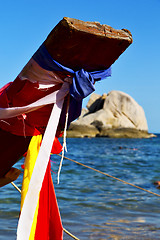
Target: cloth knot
(82, 85)
(83, 81)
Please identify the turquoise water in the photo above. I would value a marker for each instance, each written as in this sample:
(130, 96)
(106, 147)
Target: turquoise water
(94, 206)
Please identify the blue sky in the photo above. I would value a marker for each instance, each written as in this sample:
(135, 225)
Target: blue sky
(24, 25)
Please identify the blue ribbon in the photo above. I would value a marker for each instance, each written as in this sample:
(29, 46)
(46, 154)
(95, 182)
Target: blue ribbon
(83, 81)
(82, 86)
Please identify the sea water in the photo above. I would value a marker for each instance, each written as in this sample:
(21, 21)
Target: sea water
(94, 206)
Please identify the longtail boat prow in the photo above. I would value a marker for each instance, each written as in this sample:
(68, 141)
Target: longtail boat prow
(40, 104)
(89, 45)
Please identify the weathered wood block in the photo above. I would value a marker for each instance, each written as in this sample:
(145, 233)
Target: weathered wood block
(88, 45)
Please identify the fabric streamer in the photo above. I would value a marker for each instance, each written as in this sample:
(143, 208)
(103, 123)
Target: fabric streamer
(31, 199)
(46, 223)
(43, 70)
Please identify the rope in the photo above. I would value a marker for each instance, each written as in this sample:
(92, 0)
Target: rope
(71, 235)
(64, 148)
(14, 185)
(118, 179)
(66, 231)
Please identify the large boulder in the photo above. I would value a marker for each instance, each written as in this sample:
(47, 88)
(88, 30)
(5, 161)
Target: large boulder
(115, 114)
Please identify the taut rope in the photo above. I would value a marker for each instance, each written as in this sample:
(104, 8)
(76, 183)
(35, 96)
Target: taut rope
(118, 179)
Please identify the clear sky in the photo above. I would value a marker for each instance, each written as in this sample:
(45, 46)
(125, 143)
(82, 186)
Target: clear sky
(24, 25)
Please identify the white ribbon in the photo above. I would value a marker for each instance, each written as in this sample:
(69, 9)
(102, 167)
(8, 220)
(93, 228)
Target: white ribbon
(31, 199)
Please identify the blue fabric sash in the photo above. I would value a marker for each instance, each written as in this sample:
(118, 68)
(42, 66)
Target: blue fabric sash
(83, 81)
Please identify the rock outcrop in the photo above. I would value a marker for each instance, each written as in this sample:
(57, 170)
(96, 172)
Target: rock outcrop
(115, 114)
